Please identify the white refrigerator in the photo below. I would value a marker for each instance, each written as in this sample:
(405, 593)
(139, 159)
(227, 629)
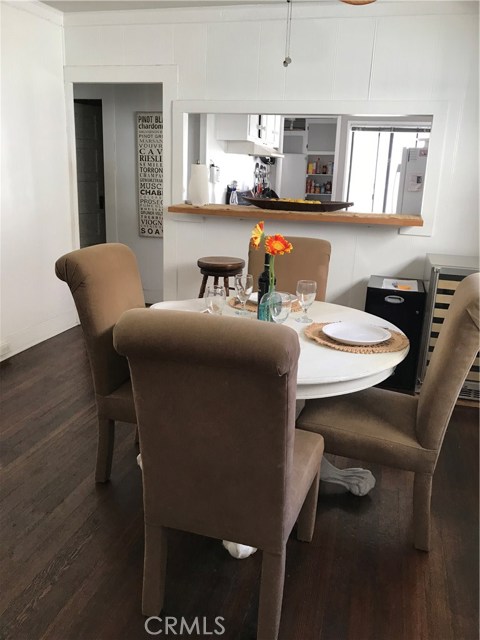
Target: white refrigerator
(411, 180)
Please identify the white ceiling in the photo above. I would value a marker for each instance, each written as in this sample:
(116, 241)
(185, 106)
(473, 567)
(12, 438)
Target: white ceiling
(72, 6)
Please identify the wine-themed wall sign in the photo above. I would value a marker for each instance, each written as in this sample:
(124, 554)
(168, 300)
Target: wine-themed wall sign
(150, 173)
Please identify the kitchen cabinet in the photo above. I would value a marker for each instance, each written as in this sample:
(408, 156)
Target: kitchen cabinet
(320, 181)
(237, 126)
(270, 130)
(295, 142)
(240, 127)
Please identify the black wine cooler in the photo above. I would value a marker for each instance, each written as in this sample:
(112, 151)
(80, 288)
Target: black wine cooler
(401, 301)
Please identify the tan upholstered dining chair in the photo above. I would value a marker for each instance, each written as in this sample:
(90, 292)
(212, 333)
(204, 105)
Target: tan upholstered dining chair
(227, 464)
(105, 282)
(309, 260)
(404, 431)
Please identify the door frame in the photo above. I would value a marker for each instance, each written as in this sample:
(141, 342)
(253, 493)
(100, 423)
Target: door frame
(167, 76)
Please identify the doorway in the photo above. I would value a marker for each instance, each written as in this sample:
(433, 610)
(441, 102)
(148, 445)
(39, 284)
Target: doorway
(111, 109)
(90, 171)
(375, 172)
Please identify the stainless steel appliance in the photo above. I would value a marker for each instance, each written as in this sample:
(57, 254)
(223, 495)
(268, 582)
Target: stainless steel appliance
(442, 275)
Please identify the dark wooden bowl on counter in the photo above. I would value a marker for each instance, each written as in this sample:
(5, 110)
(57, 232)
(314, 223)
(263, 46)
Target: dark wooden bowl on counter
(287, 205)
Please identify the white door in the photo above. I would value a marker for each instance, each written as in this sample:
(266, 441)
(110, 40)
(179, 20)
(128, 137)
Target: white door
(294, 169)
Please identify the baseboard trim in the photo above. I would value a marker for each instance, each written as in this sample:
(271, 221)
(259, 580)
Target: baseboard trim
(30, 336)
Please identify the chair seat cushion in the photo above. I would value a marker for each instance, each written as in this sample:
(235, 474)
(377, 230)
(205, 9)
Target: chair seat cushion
(374, 425)
(118, 405)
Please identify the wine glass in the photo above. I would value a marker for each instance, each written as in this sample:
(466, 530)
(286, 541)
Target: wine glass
(306, 291)
(280, 306)
(244, 289)
(215, 297)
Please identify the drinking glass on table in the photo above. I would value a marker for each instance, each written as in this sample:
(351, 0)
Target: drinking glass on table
(280, 306)
(244, 289)
(215, 297)
(306, 291)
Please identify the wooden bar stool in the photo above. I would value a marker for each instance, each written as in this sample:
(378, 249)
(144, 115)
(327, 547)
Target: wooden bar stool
(219, 267)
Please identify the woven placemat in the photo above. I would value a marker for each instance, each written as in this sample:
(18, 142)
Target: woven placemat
(397, 342)
(252, 306)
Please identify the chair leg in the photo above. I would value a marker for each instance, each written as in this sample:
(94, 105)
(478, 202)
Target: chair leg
(154, 569)
(202, 286)
(226, 284)
(422, 493)
(308, 513)
(106, 439)
(271, 595)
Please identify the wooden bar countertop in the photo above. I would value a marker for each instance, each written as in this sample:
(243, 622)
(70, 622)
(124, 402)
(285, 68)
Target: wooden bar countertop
(342, 217)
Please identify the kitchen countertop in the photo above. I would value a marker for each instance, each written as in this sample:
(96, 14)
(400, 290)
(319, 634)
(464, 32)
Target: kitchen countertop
(342, 217)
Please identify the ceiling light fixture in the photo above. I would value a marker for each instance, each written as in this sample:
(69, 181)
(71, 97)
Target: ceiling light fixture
(288, 33)
(288, 26)
(357, 1)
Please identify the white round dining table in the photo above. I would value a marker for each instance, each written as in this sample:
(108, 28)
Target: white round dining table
(323, 372)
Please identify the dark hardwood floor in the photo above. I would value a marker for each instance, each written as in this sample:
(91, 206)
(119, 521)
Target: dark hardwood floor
(71, 565)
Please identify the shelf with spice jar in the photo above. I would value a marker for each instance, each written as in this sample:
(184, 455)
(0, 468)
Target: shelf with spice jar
(322, 146)
(320, 174)
(319, 184)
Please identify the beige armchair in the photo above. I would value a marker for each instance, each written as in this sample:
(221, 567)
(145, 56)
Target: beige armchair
(234, 469)
(404, 431)
(105, 282)
(309, 260)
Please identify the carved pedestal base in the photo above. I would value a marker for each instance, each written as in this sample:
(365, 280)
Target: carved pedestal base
(237, 550)
(357, 481)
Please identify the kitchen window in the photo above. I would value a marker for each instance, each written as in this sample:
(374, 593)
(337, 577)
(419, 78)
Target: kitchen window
(386, 167)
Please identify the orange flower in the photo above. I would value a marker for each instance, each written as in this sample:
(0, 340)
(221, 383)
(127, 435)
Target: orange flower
(257, 235)
(277, 245)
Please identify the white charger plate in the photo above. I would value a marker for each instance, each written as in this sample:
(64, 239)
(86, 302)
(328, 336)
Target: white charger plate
(356, 333)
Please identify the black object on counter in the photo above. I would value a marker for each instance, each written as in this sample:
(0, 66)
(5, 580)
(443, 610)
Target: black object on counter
(240, 196)
(268, 193)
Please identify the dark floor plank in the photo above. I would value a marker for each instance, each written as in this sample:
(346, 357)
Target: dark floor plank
(72, 551)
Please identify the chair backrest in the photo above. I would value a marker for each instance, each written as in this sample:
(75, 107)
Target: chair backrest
(104, 281)
(309, 260)
(215, 403)
(454, 353)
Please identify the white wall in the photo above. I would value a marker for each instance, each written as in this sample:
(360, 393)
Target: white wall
(233, 166)
(391, 51)
(119, 104)
(36, 223)
(383, 51)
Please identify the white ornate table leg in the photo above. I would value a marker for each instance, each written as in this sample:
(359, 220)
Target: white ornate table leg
(237, 550)
(357, 481)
